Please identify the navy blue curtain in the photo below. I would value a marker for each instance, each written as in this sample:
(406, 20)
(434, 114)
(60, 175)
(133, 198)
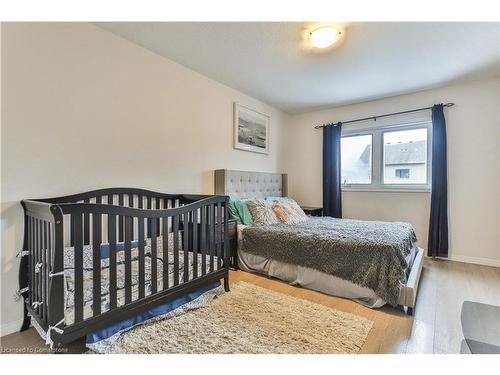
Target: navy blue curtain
(438, 223)
(332, 199)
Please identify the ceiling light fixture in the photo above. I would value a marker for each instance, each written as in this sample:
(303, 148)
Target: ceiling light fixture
(325, 36)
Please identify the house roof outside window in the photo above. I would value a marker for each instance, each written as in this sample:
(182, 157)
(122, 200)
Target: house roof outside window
(400, 153)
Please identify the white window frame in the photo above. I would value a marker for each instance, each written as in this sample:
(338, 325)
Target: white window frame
(377, 176)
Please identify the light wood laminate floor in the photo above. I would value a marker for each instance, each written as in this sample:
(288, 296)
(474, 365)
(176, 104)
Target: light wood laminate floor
(435, 327)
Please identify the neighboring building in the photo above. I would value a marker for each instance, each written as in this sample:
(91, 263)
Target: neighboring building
(405, 163)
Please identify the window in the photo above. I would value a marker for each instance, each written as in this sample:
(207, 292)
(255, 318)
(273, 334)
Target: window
(402, 173)
(388, 157)
(356, 158)
(405, 156)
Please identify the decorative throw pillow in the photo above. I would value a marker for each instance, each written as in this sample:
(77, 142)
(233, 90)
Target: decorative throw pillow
(300, 214)
(239, 211)
(281, 213)
(293, 208)
(287, 212)
(244, 212)
(231, 207)
(262, 212)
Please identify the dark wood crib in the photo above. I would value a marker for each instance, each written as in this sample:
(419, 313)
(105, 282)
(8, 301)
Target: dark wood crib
(134, 225)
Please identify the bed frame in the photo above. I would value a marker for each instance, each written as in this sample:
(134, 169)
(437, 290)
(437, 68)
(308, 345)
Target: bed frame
(242, 184)
(116, 216)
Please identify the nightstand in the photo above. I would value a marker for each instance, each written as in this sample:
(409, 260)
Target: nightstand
(312, 211)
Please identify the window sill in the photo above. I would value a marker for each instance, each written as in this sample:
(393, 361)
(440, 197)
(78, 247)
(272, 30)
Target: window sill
(388, 190)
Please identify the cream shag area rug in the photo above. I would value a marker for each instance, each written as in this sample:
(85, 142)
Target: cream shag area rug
(251, 319)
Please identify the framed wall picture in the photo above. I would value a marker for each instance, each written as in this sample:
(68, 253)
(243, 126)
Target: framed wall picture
(251, 130)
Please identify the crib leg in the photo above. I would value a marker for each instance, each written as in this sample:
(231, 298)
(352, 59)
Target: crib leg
(226, 283)
(235, 263)
(26, 319)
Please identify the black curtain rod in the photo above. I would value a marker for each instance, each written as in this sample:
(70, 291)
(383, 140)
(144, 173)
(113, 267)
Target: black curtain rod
(374, 118)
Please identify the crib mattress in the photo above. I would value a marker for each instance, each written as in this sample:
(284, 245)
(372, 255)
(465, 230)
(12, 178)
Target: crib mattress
(120, 275)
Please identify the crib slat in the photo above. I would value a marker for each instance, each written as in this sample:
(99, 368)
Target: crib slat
(34, 290)
(98, 200)
(203, 240)
(71, 231)
(158, 223)
(78, 249)
(212, 236)
(37, 259)
(86, 226)
(219, 235)
(44, 270)
(165, 251)
(96, 263)
(27, 245)
(195, 244)
(31, 245)
(128, 259)
(49, 261)
(131, 204)
(186, 247)
(41, 241)
(112, 260)
(40, 257)
(38, 297)
(154, 257)
(175, 230)
(148, 200)
(121, 219)
(141, 255)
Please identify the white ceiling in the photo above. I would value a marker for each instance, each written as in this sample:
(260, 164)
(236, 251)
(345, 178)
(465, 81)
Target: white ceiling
(266, 60)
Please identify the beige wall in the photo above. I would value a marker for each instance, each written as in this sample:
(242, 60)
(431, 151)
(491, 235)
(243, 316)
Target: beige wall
(84, 109)
(473, 167)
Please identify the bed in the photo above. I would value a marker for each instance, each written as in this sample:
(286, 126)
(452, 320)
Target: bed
(274, 253)
(100, 258)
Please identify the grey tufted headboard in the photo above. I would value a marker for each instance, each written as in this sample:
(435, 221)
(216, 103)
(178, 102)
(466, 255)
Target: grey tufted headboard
(241, 184)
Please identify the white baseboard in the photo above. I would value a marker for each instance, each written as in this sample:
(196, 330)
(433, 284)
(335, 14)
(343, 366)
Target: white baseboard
(11, 327)
(475, 260)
